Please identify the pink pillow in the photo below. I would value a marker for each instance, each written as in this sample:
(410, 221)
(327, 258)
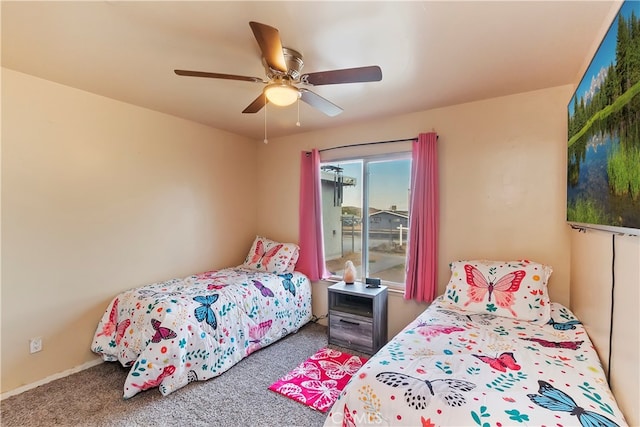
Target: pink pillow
(516, 289)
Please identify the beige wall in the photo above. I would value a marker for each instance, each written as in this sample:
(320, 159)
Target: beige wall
(99, 196)
(591, 285)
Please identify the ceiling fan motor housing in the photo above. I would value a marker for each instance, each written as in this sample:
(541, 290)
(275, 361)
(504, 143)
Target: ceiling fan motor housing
(294, 62)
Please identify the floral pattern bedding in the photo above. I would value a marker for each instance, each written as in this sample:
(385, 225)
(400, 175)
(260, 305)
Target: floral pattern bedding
(182, 330)
(453, 368)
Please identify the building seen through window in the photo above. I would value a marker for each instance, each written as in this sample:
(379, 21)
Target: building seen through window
(365, 211)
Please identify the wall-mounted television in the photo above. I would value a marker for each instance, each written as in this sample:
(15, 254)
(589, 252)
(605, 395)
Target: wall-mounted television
(603, 172)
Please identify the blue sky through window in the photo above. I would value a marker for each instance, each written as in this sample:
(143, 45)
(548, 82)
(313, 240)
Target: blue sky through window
(389, 184)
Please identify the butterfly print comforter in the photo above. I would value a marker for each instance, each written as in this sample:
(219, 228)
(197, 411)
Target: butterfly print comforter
(454, 368)
(182, 330)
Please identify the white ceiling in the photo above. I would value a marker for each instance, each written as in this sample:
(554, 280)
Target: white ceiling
(432, 54)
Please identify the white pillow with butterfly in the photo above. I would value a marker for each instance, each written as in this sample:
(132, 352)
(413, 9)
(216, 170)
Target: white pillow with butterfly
(271, 256)
(514, 289)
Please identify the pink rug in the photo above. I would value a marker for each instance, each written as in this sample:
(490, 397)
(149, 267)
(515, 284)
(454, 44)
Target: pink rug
(318, 381)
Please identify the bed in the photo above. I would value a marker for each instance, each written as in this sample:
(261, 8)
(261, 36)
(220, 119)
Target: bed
(491, 351)
(195, 328)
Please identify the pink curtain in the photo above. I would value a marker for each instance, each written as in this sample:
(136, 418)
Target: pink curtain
(422, 253)
(311, 260)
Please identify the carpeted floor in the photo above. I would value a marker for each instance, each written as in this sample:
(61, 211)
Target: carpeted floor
(239, 397)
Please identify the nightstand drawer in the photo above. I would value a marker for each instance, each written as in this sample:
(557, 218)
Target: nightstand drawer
(351, 331)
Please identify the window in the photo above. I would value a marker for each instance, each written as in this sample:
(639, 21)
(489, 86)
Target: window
(365, 214)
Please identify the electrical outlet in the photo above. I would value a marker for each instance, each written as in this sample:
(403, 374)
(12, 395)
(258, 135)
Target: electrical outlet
(35, 344)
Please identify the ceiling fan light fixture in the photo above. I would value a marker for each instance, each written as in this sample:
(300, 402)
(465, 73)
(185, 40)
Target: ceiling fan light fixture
(281, 94)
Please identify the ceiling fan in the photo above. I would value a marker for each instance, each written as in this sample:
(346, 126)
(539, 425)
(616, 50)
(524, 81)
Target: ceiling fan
(282, 67)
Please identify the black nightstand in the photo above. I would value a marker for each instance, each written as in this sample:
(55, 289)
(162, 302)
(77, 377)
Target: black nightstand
(358, 317)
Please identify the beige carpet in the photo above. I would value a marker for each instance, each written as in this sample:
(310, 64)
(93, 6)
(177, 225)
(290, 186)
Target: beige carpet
(239, 397)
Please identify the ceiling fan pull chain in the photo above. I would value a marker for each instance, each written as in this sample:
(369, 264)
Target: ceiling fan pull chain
(298, 122)
(266, 141)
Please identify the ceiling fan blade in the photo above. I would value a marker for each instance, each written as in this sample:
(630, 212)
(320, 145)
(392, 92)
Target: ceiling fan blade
(218, 76)
(348, 75)
(257, 104)
(322, 104)
(268, 39)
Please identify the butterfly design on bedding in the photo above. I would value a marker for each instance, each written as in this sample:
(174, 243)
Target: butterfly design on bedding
(168, 370)
(337, 370)
(192, 376)
(211, 274)
(266, 292)
(113, 326)
(553, 399)
(501, 363)
(563, 326)
(121, 329)
(256, 333)
(571, 345)
(204, 312)
(287, 283)
(162, 333)
(348, 420)
(263, 257)
(418, 392)
(502, 289)
(150, 293)
(430, 331)
(480, 318)
(213, 279)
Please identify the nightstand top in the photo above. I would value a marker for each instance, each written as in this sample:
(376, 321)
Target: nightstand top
(358, 288)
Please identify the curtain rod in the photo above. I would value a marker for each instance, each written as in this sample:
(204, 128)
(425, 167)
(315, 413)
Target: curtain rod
(369, 143)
